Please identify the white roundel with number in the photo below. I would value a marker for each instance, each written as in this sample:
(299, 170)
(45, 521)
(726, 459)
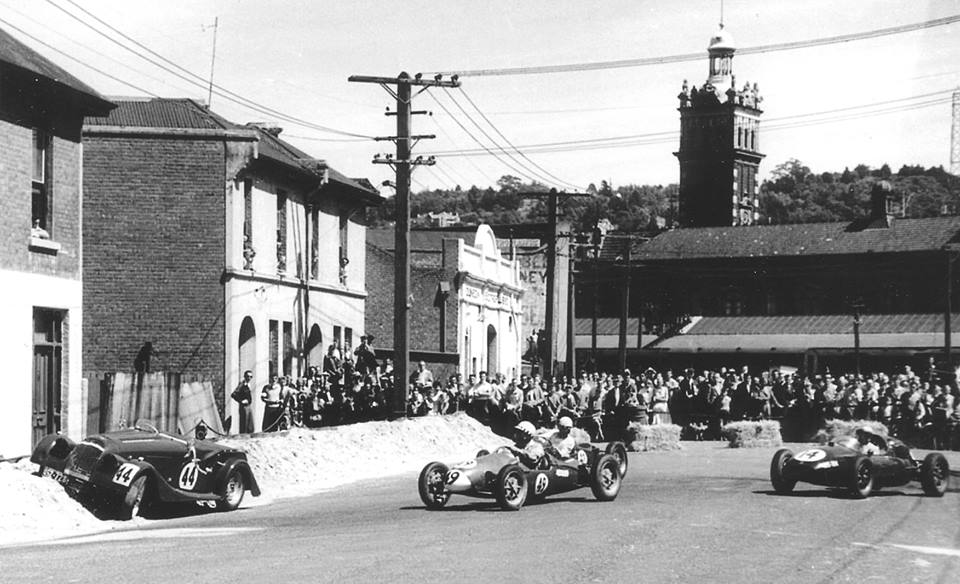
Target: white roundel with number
(581, 457)
(812, 455)
(541, 484)
(189, 475)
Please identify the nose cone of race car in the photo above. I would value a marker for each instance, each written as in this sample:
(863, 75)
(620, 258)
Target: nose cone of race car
(458, 481)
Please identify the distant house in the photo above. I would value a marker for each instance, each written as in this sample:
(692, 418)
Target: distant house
(41, 113)
(213, 248)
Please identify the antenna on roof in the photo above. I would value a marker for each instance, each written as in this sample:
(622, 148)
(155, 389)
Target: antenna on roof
(213, 58)
(721, 13)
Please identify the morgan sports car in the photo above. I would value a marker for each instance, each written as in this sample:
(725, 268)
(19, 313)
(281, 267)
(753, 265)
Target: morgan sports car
(843, 463)
(126, 470)
(501, 475)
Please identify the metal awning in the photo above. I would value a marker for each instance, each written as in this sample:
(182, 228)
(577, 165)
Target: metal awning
(795, 343)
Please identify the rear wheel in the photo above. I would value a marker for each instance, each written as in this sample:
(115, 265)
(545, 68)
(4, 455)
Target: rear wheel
(431, 485)
(861, 478)
(781, 484)
(619, 451)
(605, 478)
(133, 500)
(232, 493)
(511, 488)
(934, 474)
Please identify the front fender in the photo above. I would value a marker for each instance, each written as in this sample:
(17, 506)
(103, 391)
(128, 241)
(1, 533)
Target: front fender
(244, 467)
(52, 451)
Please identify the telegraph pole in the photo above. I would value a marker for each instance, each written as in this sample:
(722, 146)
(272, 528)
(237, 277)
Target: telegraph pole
(402, 165)
(553, 198)
(624, 311)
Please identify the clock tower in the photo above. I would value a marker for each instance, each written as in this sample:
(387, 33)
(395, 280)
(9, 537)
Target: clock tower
(719, 145)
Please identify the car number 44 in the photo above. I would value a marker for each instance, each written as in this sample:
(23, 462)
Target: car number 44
(125, 474)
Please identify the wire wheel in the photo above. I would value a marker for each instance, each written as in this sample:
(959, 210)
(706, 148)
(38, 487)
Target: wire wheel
(431, 485)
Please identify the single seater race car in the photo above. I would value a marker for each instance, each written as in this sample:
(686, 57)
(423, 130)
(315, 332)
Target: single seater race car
(126, 470)
(502, 476)
(844, 463)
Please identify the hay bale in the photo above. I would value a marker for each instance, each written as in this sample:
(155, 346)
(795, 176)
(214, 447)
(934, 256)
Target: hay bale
(753, 434)
(645, 437)
(834, 429)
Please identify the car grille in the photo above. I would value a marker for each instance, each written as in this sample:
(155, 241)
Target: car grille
(83, 459)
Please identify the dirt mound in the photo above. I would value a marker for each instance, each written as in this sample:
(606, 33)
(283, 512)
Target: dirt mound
(286, 464)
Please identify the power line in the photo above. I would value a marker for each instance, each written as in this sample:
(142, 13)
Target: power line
(187, 75)
(509, 143)
(475, 139)
(446, 134)
(849, 113)
(680, 58)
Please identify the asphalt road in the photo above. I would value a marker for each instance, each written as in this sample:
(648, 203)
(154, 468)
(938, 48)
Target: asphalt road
(707, 514)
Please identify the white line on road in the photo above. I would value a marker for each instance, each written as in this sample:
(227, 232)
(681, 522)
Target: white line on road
(177, 532)
(920, 549)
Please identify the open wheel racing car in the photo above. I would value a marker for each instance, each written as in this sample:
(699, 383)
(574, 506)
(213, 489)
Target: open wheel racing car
(126, 470)
(502, 476)
(844, 463)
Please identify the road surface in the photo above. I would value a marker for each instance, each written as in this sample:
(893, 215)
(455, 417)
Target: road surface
(707, 514)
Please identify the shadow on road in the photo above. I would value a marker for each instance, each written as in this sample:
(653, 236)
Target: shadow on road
(834, 494)
(481, 506)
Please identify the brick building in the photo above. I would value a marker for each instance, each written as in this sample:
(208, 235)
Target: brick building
(41, 113)
(214, 247)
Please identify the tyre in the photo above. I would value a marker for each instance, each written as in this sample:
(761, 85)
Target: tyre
(861, 477)
(605, 478)
(133, 500)
(232, 492)
(619, 451)
(934, 474)
(511, 488)
(781, 484)
(433, 477)
(482, 452)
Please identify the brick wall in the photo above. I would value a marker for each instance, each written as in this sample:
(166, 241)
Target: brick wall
(154, 238)
(16, 143)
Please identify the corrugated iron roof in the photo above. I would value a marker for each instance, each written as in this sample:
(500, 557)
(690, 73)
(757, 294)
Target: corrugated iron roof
(16, 53)
(806, 239)
(820, 324)
(177, 113)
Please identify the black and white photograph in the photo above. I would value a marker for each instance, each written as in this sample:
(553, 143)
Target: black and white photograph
(450, 291)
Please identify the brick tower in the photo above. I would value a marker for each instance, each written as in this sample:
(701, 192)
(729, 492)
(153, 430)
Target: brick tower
(719, 141)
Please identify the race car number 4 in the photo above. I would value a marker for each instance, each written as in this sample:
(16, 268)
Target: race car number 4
(125, 474)
(812, 455)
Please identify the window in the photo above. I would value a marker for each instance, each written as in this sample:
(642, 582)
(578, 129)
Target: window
(315, 243)
(337, 337)
(274, 349)
(344, 222)
(347, 338)
(281, 232)
(248, 252)
(733, 301)
(287, 348)
(41, 198)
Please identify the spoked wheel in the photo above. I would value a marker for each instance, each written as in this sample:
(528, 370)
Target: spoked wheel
(511, 488)
(861, 478)
(781, 484)
(619, 451)
(605, 478)
(433, 493)
(233, 491)
(133, 500)
(934, 474)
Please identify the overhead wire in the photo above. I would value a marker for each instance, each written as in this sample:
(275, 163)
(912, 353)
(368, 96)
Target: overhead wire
(679, 58)
(509, 143)
(447, 135)
(184, 74)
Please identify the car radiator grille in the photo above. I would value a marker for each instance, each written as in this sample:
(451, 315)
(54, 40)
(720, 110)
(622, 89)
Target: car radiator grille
(83, 458)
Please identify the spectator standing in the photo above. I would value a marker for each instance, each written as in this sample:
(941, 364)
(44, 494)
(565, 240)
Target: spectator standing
(365, 356)
(272, 397)
(244, 398)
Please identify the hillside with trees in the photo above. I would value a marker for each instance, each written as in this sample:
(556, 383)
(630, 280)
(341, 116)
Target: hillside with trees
(793, 194)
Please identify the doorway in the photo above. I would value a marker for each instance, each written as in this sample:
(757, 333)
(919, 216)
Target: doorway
(493, 365)
(47, 369)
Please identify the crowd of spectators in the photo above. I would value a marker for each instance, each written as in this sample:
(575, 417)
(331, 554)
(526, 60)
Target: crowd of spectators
(353, 386)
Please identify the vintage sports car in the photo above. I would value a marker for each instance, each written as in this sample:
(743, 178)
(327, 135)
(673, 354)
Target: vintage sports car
(842, 463)
(502, 476)
(126, 470)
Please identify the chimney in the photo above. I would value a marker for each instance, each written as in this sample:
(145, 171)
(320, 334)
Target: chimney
(883, 205)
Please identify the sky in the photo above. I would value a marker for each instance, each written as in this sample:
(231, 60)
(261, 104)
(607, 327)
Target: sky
(293, 58)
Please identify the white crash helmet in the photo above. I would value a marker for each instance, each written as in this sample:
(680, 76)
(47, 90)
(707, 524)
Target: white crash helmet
(525, 427)
(565, 422)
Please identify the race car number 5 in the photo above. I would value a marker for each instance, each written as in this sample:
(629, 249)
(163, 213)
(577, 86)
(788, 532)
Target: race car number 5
(125, 474)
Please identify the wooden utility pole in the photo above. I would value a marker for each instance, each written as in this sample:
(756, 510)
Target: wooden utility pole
(553, 198)
(624, 311)
(402, 165)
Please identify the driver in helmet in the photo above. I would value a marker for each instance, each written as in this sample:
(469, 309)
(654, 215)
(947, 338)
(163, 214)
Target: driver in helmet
(561, 441)
(530, 448)
(870, 442)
